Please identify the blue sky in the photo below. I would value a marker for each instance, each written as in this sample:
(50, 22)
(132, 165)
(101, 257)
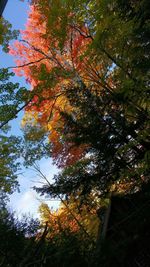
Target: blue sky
(27, 201)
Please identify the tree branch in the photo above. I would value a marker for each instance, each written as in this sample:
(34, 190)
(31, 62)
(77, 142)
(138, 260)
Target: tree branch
(78, 222)
(26, 64)
(14, 115)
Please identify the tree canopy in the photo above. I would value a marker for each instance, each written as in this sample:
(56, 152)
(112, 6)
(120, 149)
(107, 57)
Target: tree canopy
(91, 88)
(87, 63)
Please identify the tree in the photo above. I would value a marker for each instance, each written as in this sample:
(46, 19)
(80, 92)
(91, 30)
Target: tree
(13, 100)
(105, 59)
(90, 93)
(114, 153)
(12, 97)
(6, 33)
(73, 230)
(96, 57)
(58, 68)
(73, 217)
(16, 236)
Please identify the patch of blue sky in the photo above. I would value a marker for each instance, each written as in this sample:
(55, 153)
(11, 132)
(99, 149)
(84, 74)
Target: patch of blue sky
(28, 201)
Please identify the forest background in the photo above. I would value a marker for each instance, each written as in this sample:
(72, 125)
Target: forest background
(87, 64)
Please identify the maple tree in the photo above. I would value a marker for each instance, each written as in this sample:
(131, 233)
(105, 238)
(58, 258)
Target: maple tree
(73, 217)
(71, 228)
(62, 52)
(73, 49)
(62, 67)
(51, 69)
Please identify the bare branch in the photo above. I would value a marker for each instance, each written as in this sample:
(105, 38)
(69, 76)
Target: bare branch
(26, 64)
(87, 36)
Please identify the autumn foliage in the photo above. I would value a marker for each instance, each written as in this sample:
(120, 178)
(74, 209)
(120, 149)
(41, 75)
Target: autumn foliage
(51, 70)
(53, 63)
(87, 63)
(71, 218)
(61, 50)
